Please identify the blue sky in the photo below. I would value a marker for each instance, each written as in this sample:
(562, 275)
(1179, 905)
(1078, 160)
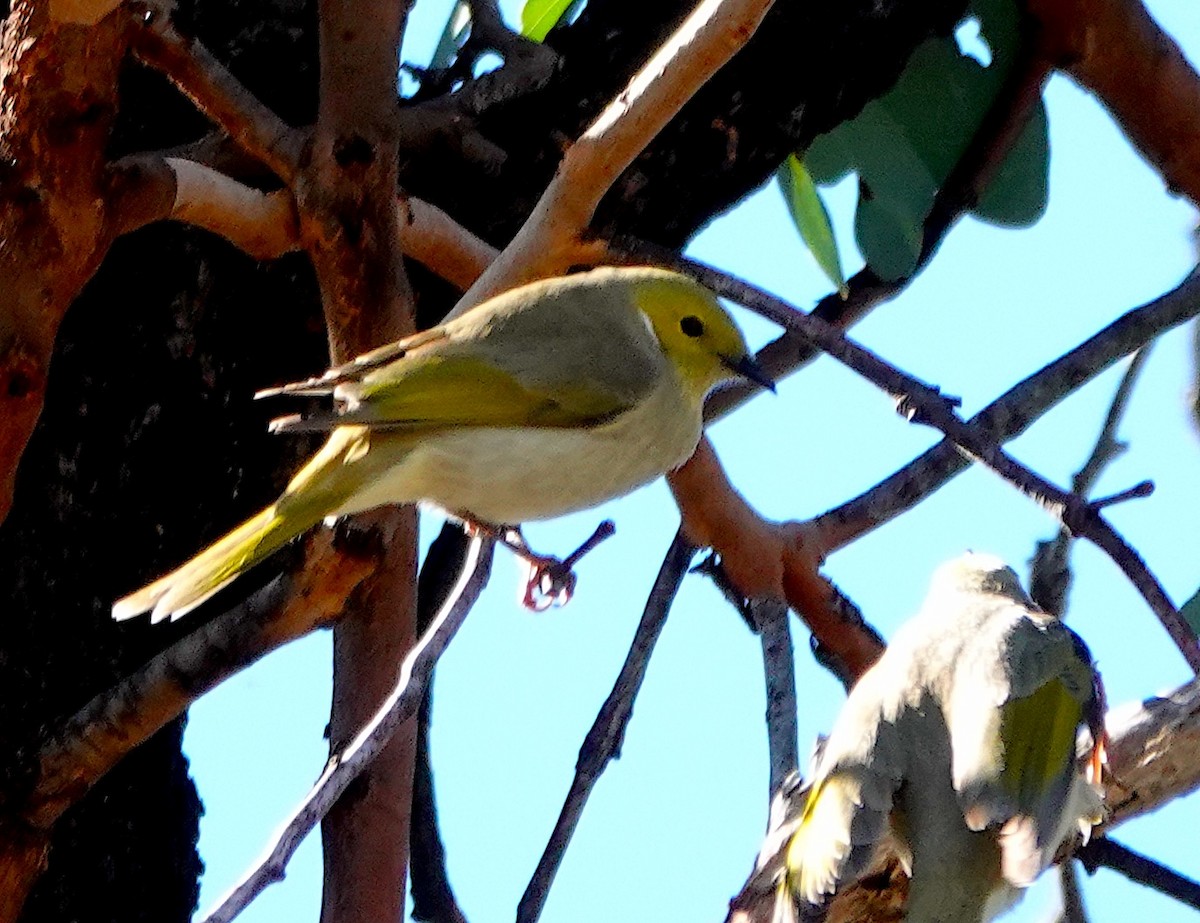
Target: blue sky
(672, 827)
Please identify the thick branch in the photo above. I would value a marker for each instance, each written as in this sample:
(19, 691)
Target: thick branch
(1115, 49)
(767, 560)
(150, 187)
(58, 99)
(436, 240)
(350, 227)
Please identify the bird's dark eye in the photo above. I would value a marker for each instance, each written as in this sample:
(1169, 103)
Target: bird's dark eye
(692, 326)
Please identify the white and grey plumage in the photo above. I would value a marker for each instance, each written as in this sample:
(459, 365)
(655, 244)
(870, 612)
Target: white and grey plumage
(959, 748)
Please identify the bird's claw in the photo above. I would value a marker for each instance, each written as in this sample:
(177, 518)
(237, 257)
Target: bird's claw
(551, 582)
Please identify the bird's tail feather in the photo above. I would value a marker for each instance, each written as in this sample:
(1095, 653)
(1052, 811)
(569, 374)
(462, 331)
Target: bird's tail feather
(182, 590)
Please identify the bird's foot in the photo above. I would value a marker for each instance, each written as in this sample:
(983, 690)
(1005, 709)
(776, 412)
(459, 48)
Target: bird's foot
(550, 581)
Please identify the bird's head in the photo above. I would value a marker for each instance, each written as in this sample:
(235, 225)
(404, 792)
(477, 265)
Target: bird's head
(978, 572)
(697, 335)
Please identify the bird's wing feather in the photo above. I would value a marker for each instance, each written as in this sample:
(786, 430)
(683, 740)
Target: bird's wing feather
(1015, 768)
(848, 807)
(493, 368)
(357, 368)
(439, 391)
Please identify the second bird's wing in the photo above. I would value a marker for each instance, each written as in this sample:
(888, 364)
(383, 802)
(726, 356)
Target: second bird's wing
(1015, 765)
(846, 815)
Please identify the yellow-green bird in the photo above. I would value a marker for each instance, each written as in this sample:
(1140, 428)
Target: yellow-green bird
(548, 399)
(958, 748)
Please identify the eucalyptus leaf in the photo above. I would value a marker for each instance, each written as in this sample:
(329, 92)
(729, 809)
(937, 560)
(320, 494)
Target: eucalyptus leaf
(448, 44)
(1190, 611)
(904, 145)
(889, 240)
(538, 17)
(811, 218)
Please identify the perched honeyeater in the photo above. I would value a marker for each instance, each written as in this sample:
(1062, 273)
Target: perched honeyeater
(550, 398)
(957, 748)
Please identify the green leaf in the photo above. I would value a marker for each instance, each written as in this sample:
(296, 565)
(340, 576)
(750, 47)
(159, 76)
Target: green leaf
(447, 46)
(1190, 611)
(1016, 196)
(904, 144)
(811, 219)
(538, 17)
(887, 236)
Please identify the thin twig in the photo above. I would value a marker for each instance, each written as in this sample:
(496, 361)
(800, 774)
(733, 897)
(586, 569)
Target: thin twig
(1050, 574)
(779, 669)
(603, 742)
(1012, 413)
(1108, 447)
(343, 768)
(1073, 910)
(926, 405)
(216, 92)
(1105, 853)
(433, 899)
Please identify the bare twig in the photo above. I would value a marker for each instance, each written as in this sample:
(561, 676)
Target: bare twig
(603, 742)
(779, 669)
(926, 405)
(1073, 909)
(1011, 414)
(1050, 575)
(216, 92)
(1107, 446)
(433, 897)
(1105, 853)
(345, 766)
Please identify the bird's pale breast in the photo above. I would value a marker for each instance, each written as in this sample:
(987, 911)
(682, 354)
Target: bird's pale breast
(514, 475)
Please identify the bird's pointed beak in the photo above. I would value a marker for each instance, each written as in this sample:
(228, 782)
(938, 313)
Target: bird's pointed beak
(749, 369)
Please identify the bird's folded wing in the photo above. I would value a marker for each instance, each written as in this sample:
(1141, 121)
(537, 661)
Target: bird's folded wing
(356, 368)
(1017, 773)
(439, 392)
